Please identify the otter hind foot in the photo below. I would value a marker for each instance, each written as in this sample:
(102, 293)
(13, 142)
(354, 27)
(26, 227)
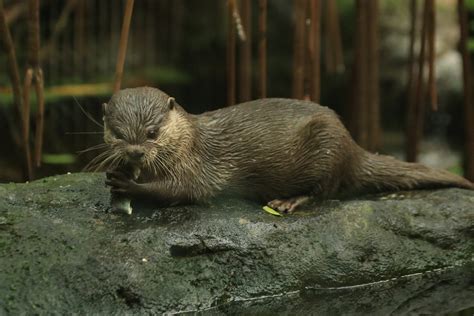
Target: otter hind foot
(288, 205)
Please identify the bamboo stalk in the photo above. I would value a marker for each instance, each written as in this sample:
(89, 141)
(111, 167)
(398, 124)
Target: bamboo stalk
(411, 56)
(34, 36)
(35, 73)
(298, 49)
(374, 128)
(15, 11)
(411, 108)
(315, 50)
(361, 89)
(328, 47)
(14, 75)
(308, 52)
(30, 77)
(262, 48)
(9, 49)
(26, 121)
(237, 20)
(79, 38)
(420, 91)
(58, 28)
(416, 115)
(431, 55)
(27, 82)
(123, 44)
(231, 65)
(246, 53)
(335, 39)
(102, 35)
(468, 95)
(39, 88)
(33, 61)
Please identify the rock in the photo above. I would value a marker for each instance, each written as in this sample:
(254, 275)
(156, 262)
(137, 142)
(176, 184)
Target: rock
(62, 251)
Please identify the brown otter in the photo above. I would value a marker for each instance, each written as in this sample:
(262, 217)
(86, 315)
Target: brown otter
(280, 151)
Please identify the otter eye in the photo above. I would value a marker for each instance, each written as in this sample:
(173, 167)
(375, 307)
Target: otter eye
(118, 134)
(151, 134)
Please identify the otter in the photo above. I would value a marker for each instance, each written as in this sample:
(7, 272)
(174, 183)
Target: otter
(279, 151)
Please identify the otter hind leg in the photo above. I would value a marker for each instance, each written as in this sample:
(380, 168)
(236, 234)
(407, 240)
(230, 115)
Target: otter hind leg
(288, 205)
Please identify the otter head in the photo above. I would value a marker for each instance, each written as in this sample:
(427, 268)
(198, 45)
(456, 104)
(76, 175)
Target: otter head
(143, 127)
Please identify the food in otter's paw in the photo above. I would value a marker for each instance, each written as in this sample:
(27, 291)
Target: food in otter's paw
(119, 202)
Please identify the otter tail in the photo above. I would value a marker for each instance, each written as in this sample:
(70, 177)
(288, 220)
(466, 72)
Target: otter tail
(384, 173)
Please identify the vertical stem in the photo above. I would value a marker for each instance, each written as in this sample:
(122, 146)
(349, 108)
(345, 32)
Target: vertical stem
(315, 50)
(26, 121)
(335, 37)
(415, 120)
(246, 53)
(33, 67)
(9, 48)
(113, 19)
(14, 74)
(33, 61)
(328, 36)
(432, 55)
(59, 26)
(298, 50)
(230, 53)
(92, 43)
(79, 30)
(237, 21)
(262, 48)
(103, 36)
(411, 52)
(420, 89)
(361, 90)
(468, 96)
(411, 109)
(123, 45)
(39, 88)
(26, 104)
(34, 36)
(374, 129)
(35, 73)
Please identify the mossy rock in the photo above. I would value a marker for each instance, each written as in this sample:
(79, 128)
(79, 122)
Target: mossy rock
(62, 251)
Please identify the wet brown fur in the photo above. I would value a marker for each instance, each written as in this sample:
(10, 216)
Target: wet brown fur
(263, 149)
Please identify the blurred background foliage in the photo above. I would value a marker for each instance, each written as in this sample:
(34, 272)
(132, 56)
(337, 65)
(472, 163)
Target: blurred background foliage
(180, 47)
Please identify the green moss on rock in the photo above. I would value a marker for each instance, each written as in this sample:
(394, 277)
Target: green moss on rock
(61, 250)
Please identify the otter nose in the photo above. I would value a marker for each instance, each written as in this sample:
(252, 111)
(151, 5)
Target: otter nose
(135, 153)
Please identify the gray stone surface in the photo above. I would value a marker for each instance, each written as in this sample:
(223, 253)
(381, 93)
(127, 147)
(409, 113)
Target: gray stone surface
(61, 251)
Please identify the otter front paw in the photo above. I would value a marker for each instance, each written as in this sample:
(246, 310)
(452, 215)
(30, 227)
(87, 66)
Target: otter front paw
(121, 183)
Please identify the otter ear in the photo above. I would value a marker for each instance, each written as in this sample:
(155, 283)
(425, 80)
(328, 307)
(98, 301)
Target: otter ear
(171, 103)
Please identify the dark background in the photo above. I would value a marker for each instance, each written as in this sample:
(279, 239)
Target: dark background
(180, 47)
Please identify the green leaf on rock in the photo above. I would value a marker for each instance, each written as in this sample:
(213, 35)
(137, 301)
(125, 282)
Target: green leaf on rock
(271, 211)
